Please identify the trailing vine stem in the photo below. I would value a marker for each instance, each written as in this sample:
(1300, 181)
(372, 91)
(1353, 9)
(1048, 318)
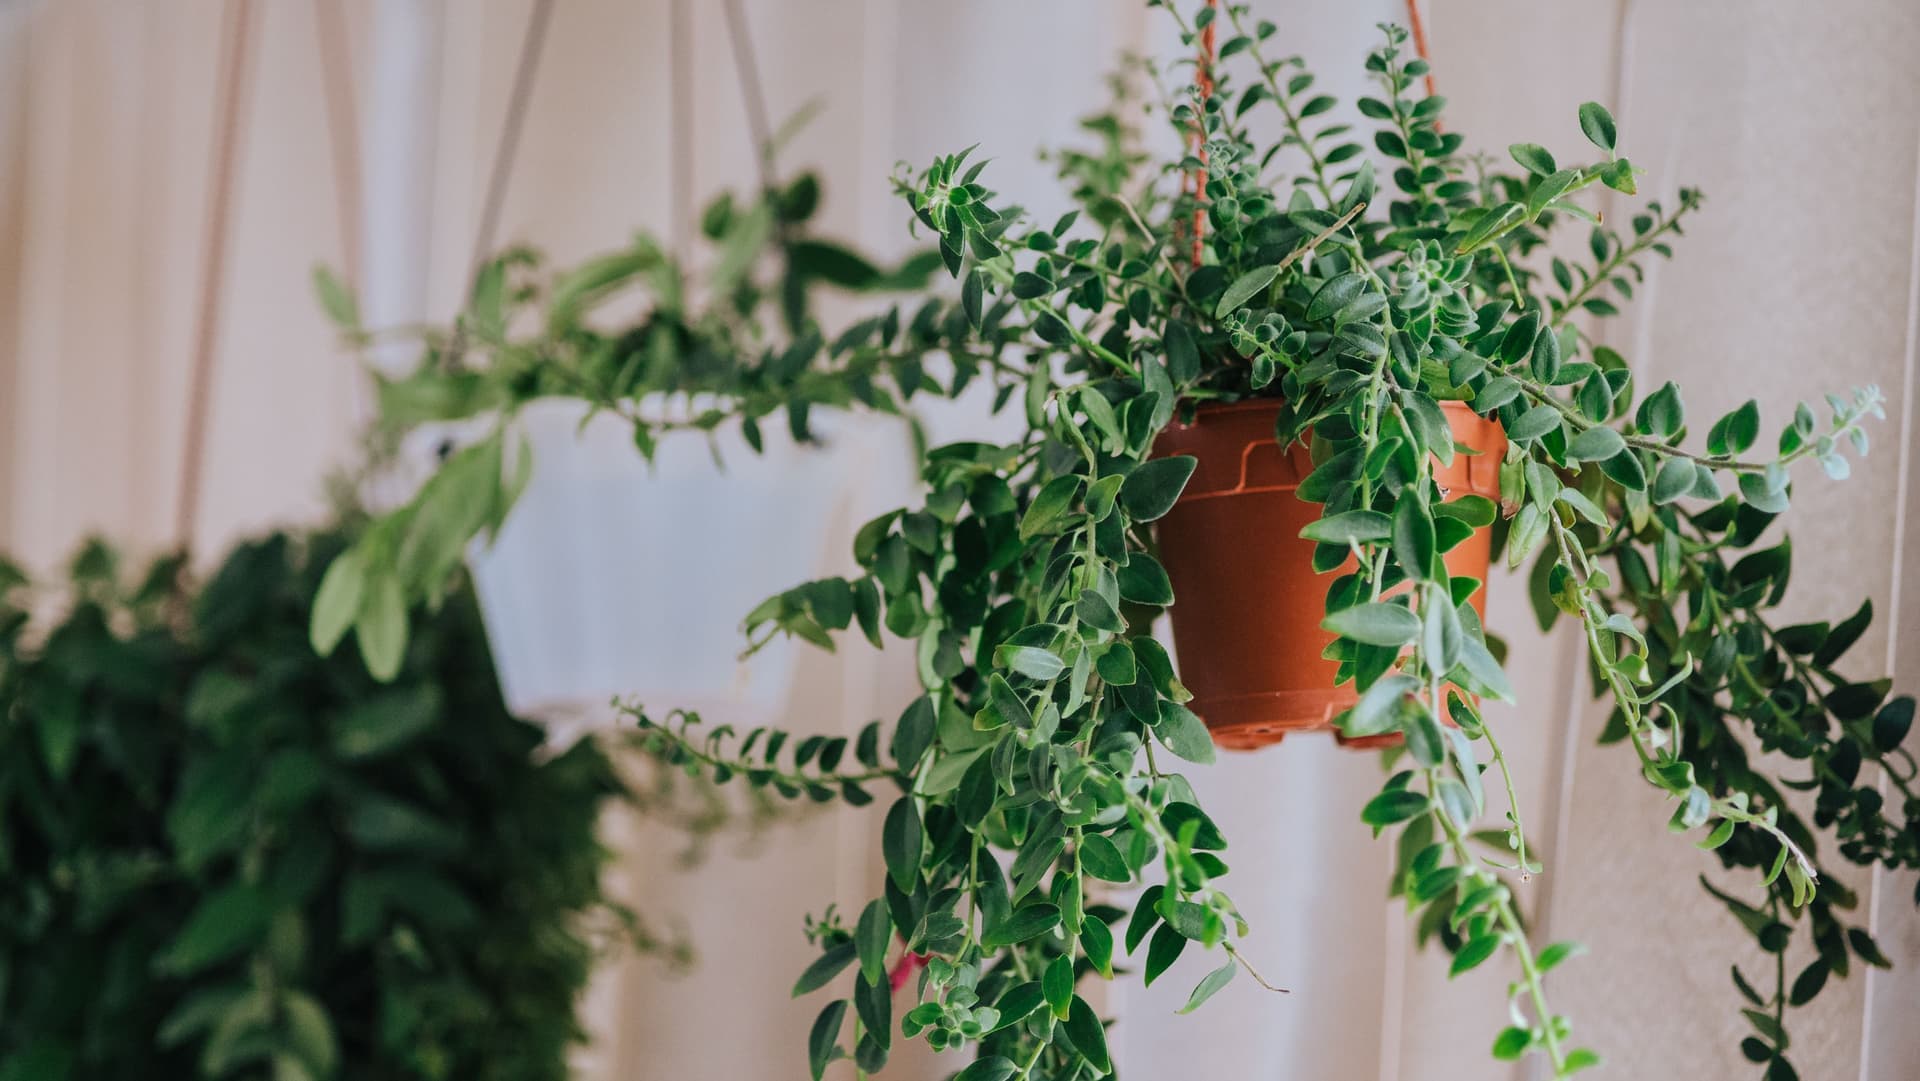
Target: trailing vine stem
(669, 739)
(1623, 255)
(1316, 164)
(1628, 699)
(1580, 422)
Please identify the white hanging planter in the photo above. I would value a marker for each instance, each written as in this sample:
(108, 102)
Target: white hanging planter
(613, 577)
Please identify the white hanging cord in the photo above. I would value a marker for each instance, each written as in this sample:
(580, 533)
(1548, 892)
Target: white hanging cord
(229, 112)
(343, 130)
(680, 128)
(526, 70)
(752, 95)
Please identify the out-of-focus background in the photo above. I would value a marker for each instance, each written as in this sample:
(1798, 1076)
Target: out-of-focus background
(362, 135)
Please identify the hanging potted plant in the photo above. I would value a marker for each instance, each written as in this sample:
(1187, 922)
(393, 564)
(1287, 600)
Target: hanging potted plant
(540, 395)
(1398, 340)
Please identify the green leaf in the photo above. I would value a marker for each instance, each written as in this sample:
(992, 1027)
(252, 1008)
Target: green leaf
(1244, 289)
(1361, 526)
(1511, 1043)
(381, 627)
(1545, 191)
(1551, 957)
(1096, 938)
(1184, 733)
(1096, 611)
(823, 1042)
(1007, 702)
(901, 841)
(1444, 637)
(1755, 489)
(1144, 581)
(1050, 506)
(337, 604)
(873, 935)
(1484, 670)
(1672, 480)
(824, 968)
(1213, 982)
(1025, 922)
(1117, 664)
(1767, 1026)
(1413, 536)
(1844, 635)
(872, 1001)
(1458, 800)
(1056, 984)
(1017, 1004)
(1721, 834)
(1534, 158)
(1101, 858)
(1030, 661)
(1476, 510)
(832, 263)
(1597, 124)
(1735, 432)
(1545, 355)
(914, 732)
(1488, 224)
(1183, 355)
(1581, 1058)
(1474, 953)
(1378, 712)
(335, 298)
(1162, 950)
(310, 1032)
(1595, 445)
(1619, 177)
(1377, 623)
(1891, 724)
(1336, 294)
(1534, 423)
(972, 297)
(1088, 1035)
(1867, 949)
(1154, 486)
(388, 720)
(1145, 915)
(996, 1068)
(1809, 983)
(224, 924)
(1394, 805)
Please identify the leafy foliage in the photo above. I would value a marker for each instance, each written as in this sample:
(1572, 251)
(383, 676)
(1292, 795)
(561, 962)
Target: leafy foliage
(222, 856)
(739, 345)
(1360, 290)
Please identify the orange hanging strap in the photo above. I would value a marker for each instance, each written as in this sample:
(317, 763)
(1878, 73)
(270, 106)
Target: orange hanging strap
(1202, 82)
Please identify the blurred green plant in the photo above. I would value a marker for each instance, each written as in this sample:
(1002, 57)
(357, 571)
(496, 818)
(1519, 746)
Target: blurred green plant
(222, 856)
(636, 333)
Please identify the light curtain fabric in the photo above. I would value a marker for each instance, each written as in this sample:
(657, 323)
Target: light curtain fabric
(1801, 121)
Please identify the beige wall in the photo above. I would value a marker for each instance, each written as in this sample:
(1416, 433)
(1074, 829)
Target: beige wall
(1801, 121)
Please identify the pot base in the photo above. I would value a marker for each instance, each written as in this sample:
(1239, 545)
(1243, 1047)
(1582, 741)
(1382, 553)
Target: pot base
(1245, 722)
(1252, 721)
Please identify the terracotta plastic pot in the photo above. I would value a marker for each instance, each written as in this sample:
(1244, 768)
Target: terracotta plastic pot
(1247, 603)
